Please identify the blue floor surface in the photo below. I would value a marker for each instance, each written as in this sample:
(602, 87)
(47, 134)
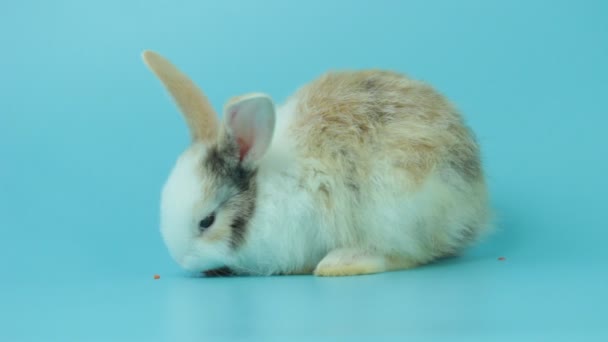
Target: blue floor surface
(473, 298)
(87, 137)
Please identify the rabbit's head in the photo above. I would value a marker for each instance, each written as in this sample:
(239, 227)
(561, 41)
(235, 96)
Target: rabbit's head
(210, 195)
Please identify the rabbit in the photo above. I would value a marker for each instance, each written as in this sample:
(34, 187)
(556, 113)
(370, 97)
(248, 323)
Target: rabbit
(358, 172)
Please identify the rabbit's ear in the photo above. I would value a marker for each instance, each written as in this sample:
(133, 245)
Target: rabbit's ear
(198, 112)
(249, 121)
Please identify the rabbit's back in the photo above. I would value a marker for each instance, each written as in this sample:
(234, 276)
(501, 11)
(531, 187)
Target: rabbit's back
(353, 121)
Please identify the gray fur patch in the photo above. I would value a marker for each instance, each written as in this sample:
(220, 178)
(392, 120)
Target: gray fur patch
(465, 163)
(240, 184)
(352, 174)
(371, 84)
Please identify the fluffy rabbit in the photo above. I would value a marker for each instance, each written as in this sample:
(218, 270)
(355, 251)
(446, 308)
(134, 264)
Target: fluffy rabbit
(359, 172)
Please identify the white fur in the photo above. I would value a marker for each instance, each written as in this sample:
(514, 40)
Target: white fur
(181, 196)
(291, 230)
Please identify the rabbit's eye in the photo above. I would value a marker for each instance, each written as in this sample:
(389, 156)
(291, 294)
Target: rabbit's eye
(206, 222)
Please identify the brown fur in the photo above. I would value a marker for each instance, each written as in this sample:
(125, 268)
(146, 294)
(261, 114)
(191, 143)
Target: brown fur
(376, 115)
(194, 105)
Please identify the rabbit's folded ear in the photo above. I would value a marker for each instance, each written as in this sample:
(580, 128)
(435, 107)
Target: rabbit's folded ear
(198, 112)
(249, 121)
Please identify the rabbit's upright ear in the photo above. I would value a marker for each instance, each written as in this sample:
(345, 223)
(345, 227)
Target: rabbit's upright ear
(198, 112)
(249, 122)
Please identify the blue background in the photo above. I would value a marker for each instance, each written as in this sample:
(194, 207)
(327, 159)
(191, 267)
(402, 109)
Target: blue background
(87, 137)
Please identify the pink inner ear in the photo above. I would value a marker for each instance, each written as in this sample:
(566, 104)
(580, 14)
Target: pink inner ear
(244, 147)
(244, 134)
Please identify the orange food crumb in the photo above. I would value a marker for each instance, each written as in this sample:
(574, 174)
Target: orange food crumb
(156, 276)
(502, 258)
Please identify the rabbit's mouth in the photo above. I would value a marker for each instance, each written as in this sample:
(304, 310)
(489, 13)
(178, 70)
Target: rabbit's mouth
(219, 272)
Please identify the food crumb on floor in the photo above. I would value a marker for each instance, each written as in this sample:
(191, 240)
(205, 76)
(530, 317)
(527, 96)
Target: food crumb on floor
(156, 276)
